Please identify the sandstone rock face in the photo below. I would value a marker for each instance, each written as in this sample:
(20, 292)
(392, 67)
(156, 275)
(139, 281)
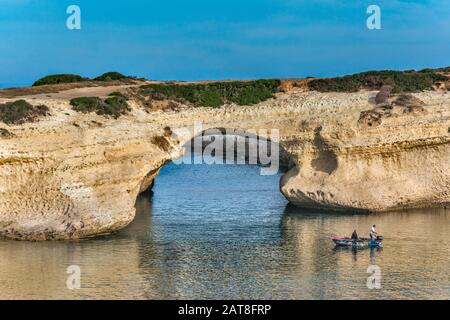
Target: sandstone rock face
(73, 175)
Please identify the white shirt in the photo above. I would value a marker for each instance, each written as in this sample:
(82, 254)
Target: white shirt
(372, 230)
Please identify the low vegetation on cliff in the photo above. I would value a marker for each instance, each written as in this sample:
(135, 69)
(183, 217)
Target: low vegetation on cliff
(20, 111)
(117, 94)
(59, 78)
(444, 69)
(111, 76)
(214, 94)
(113, 106)
(71, 78)
(401, 81)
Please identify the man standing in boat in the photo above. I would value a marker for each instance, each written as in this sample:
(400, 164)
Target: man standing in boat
(373, 233)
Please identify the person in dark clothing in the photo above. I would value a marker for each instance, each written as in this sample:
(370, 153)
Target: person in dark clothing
(354, 235)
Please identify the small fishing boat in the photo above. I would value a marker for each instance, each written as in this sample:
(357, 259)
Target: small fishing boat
(360, 243)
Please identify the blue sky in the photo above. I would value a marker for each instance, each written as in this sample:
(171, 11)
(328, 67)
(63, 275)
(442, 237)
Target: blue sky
(212, 39)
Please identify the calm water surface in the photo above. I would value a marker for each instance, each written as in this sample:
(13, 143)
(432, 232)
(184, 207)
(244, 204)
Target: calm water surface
(226, 232)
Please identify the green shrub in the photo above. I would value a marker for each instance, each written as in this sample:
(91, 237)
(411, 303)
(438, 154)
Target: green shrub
(113, 106)
(402, 81)
(20, 111)
(209, 98)
(86, 104)
(110, 76)
(59, 78)
(214, 94)
(117, 94)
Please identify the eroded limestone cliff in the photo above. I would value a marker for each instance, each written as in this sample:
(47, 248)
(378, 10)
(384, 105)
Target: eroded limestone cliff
(73, 175)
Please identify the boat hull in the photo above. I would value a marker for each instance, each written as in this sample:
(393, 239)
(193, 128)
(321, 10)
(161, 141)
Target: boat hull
(360, 243)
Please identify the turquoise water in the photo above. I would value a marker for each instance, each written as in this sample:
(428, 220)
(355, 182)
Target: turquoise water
(226, 232)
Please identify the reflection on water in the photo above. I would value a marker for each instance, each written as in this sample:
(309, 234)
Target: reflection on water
(226, 232)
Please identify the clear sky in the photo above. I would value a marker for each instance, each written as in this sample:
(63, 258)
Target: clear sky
(212, 39)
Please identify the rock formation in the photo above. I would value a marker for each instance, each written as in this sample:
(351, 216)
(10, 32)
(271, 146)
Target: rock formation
(73, 175)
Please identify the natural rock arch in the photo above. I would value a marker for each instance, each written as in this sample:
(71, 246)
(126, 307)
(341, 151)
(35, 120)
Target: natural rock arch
(73, 175)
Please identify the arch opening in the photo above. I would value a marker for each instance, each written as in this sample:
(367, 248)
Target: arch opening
(236, 146)
(225, 146)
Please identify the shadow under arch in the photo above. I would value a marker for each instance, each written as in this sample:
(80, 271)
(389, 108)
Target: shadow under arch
(231, 146)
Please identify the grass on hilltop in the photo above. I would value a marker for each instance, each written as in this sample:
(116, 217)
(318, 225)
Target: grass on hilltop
(111, 76)
(20, 111)
(70, 78)
(214, 94)
(402, 81)
(59, 78)
(444, 69)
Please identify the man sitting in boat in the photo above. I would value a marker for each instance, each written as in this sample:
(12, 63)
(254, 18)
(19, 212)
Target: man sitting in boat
(373, 233)
(354, 235)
